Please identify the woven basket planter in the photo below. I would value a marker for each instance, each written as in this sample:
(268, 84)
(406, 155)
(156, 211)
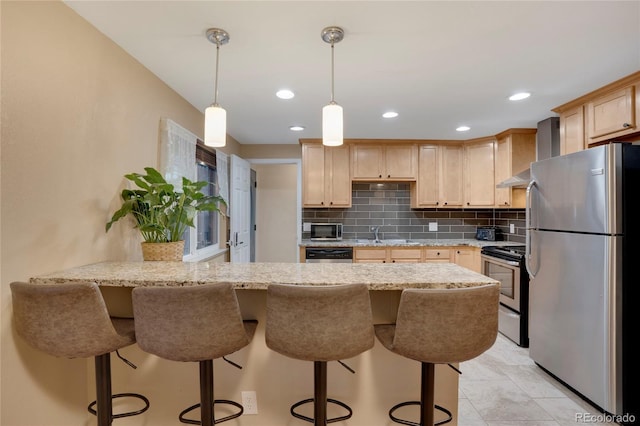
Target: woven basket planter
(163, 251)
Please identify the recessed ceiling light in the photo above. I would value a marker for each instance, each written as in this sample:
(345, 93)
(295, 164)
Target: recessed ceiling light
(390, 114)
(296, 128)
(519, 96)
(285, 94)
(463, 128)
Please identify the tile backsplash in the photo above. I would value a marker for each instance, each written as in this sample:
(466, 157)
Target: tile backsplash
(387, 205)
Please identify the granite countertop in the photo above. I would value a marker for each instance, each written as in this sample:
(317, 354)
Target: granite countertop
(408, 243)
(259, 275)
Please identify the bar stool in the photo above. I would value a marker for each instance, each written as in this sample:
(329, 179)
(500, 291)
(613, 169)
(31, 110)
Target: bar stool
(440, 326)
(319, 324)
(193, 324)
(70, 320)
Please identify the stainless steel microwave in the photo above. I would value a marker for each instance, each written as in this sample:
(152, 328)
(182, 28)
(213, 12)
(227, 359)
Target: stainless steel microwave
(326, 231)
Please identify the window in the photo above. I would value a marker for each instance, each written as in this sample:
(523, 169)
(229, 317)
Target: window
(204, 240)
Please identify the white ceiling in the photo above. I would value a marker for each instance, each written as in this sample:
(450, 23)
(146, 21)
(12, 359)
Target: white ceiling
(439, 64)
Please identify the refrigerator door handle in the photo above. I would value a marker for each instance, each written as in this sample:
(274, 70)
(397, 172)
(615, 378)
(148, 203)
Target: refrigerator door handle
(528, 212)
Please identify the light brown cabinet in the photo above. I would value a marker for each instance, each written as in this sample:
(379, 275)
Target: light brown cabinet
(387, 255)
(515, 150)
(451, 182)
(572, 130)
(440, 254)
(384, 162)
(325, 176)
(479, 174)
(425, 192)
(467, 257)
(611, 115)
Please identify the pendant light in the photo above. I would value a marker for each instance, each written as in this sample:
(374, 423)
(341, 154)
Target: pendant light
(332, 134)
(215, 117)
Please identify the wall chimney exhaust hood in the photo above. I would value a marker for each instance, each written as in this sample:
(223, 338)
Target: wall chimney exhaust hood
(521, 180)
(547, 146)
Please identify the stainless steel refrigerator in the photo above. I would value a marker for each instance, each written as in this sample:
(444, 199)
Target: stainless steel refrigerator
(583, 258)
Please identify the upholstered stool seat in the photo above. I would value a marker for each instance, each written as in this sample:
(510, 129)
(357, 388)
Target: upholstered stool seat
(319, 324)
(71, 320)
(440, 326)
(193, 324)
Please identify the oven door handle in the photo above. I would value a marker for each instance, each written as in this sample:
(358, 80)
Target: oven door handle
(500, 261)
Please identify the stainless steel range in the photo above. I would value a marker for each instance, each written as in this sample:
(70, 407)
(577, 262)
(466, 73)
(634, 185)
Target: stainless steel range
(506, 264)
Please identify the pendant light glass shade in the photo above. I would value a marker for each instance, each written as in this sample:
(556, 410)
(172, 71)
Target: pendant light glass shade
(215, 117)
(332, 125)
(215, 126)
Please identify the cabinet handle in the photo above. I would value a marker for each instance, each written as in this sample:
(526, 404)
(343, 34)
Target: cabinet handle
(468, 203)
(379, 176)
(438, 253)
(388, 176)
(437, 203)
(626, 125)
(458, 251)
(445, 203)
(331, 203)
(506, 203)
(322, 203)
(393, 261)
(384, 261)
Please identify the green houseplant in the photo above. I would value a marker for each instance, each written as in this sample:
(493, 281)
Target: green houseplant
(161, 212)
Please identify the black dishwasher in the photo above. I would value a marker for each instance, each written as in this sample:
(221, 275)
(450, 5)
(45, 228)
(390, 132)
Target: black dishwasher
(329, 255)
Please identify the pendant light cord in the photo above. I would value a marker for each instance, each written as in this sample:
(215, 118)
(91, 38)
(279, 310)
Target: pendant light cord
(332, 67)
(215, 95)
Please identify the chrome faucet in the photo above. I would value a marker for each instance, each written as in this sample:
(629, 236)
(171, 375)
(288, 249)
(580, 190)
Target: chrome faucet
(376, 230)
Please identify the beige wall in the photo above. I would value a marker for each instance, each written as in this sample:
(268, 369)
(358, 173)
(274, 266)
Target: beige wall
(77, 114)
(277, 212)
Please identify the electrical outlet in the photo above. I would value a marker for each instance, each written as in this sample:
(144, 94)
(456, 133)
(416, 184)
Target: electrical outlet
(306, 226)
(249, 402)
(433, 226)
(512, 228)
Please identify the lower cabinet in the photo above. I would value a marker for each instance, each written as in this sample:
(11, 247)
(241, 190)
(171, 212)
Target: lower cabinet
(467, 257)
(387, 255)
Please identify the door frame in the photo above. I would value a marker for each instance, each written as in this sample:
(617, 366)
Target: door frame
(298, 163)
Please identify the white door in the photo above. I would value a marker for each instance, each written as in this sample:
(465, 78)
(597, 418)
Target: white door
(240, 206)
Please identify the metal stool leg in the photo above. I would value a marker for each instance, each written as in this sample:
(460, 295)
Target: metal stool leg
(207, 402)
(103, 389)
(320, 399)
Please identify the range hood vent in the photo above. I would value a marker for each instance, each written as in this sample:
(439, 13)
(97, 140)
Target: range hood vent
(521, 180)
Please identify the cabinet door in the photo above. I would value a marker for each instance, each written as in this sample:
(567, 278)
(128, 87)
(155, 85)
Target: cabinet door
(400, 162)
(451, 170)
(437, 255)
(611, 115)
(367, 162)
(338, 178)
(370, 255)
(467, 257)
(427, 194)
(503, 171)
(313, 175)
(572, 130)
(405, 255)
(479, 175)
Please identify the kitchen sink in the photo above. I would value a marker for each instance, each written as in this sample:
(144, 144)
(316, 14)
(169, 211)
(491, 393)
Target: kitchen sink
(388, 241)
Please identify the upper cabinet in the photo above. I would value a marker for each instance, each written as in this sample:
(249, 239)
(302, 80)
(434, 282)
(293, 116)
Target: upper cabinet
(609, 113)
(325, 176)
(515, 150)
(384, 162)
(439, 182)
(572, 130)
(479, 174)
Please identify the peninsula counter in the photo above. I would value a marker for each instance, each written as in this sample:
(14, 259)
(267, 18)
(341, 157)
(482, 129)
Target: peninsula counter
(383, 379)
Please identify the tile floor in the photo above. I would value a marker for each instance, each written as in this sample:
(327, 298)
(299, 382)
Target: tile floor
(504, 387)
